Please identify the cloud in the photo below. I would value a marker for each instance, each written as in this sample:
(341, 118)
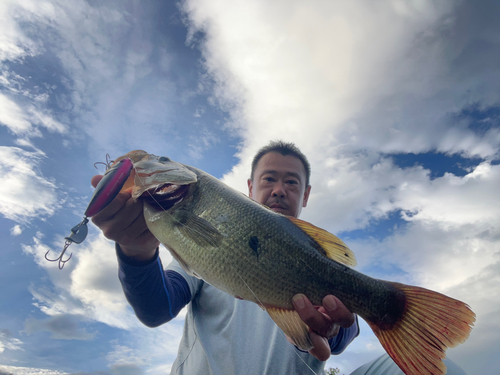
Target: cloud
(88, 286)
(203, 141)
(9, 370)
(20, 119)
(14, 44)
(62, 327)
(7, 342)
(25, 193)
(126, 369)
(124, 361)
(23, 107)
(338, 78)
(16, 230)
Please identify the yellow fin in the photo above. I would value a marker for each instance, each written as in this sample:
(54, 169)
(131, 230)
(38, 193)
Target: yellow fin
(333, 246)
(431, 323)
(290, 323)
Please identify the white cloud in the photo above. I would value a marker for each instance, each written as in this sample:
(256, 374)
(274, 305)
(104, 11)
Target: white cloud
(14, 44)
(21, 119)
(358, 75)
(23, 110)
(88, 284)
(12, 116)
(26, 193)
(7, 342)
(29, 371)
(16, 230)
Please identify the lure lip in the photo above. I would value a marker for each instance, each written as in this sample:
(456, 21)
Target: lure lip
(109, 186)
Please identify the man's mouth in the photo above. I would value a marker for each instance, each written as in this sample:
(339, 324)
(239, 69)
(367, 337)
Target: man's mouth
(277, 206)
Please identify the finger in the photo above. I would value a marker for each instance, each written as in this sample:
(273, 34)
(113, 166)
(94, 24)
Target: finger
(95, 180)
(338, 313)
(317, 321)
(124, 224)
(321, 348)
(112, 209)
(136, 231)
(142, 247)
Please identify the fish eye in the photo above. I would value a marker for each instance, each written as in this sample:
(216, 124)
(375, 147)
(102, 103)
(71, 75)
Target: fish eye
(164, 159)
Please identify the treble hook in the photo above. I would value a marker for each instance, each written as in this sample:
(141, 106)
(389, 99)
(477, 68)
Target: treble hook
(107, 164)
(78, 235)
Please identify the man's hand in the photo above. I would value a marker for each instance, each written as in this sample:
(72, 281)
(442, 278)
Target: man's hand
(123, 222)
(324, 321)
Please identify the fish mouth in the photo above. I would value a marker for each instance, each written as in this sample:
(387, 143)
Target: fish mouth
(165, 196)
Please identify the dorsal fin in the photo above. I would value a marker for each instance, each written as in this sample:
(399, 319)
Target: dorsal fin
(334, 247)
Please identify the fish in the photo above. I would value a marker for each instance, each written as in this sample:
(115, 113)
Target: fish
(247, 250)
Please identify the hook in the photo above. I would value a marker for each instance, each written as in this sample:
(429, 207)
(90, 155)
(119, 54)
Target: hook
(107, 164)
(59, 258)
(78, 235)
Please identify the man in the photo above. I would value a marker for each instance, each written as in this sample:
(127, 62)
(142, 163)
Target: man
(224, 335)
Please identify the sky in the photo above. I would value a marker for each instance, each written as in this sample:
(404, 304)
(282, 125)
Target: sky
(395, 103)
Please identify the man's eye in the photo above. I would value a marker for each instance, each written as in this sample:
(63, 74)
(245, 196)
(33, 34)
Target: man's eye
(292, 182)
(268, 179)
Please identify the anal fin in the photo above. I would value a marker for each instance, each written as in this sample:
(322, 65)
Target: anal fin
(291, 324)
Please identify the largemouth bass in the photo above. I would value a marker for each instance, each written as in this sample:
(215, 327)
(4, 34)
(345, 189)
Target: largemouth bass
(251, 252)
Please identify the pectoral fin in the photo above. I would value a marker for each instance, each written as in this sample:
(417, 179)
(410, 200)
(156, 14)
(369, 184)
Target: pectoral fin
(197, 229)
(333, 246)
(290, 323)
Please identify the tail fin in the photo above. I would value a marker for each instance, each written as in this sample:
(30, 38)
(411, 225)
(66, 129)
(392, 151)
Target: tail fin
(431, 323)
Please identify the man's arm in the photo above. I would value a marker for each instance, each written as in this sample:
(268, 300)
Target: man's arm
(156, 295)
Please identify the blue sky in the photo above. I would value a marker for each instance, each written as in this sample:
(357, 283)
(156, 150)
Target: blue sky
(396, 104)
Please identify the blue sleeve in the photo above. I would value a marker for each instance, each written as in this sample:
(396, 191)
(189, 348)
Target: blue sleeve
(344, 338)
(156, 295)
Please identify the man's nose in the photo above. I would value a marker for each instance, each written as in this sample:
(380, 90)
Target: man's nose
(279, 190)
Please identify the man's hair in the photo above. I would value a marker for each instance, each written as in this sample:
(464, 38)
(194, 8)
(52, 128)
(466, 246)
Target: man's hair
(283, 148)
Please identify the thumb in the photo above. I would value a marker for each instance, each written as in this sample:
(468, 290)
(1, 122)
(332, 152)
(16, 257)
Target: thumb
(95, 180)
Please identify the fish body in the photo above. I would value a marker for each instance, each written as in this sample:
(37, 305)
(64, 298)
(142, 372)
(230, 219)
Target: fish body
(251, 252)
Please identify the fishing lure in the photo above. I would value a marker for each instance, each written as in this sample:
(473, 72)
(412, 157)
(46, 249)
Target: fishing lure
(107, 189)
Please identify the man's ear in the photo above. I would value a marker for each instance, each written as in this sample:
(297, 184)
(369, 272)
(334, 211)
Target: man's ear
(250, 186)
(306, 195)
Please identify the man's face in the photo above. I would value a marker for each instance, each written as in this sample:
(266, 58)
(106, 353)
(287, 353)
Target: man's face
(279, 183)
